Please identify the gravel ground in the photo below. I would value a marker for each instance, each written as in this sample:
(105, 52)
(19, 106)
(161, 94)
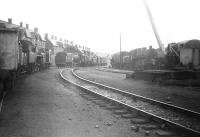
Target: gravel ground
(41, 106)
(186, 97)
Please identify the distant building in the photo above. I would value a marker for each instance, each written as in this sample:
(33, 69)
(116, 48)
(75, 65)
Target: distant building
(190, 53)
(57, 47)
(103, 59)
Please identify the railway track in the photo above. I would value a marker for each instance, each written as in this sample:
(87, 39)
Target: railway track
(165, 117)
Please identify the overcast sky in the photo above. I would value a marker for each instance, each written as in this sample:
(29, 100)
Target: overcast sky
(97, 23)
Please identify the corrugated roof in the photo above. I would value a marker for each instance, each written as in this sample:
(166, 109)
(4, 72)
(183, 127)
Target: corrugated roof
(194, 43)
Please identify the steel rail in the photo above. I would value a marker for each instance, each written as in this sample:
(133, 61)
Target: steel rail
(150, 100)
(170, 124)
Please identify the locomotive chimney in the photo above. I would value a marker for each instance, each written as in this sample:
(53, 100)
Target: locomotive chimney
(36, 30)
(10, 20)
(21, 24)
(27, 26)
(46, 35)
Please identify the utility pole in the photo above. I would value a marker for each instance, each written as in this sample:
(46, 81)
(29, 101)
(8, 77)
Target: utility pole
(120, 54)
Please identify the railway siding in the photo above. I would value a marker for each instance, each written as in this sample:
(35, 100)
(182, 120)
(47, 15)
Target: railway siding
(185, 97)
(171, 117)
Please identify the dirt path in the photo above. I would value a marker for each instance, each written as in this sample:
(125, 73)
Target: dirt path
(40, 106)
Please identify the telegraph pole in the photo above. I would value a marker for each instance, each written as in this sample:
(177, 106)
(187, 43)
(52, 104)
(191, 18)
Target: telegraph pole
(120, 54)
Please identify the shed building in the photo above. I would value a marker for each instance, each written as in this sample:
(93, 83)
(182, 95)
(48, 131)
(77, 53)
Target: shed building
(190, 52)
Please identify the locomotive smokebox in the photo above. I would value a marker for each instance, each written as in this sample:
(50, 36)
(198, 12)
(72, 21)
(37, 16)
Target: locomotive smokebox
(27, 26)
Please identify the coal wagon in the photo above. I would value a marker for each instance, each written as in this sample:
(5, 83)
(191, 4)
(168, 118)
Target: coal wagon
(60, 59)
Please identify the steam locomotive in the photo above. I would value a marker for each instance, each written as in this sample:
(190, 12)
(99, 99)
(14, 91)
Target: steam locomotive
(21, 51)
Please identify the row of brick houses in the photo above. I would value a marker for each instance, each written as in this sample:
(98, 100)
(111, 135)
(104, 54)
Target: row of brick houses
(44, 49)
(31, 43)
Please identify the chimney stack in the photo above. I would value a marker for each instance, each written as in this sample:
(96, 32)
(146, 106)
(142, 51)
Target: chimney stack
(72, 43)
(52, 37)
(60, 39)
(21, 24)
(27, 26)
(36, 30)
(46, 35)
(55, 38)
(10, 20)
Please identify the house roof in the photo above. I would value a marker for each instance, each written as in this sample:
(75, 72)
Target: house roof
(8, 25)
(43, 38)
(29, 33)
(48, 44)
(54, 42)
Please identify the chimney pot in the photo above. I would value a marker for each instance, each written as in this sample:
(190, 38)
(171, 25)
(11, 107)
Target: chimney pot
(46, 35)
(21, 24)
(10, 20)
(36, 30)
(27, 26)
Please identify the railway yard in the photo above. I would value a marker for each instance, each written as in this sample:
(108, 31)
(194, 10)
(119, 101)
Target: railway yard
(63, 105)
(98, 72)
